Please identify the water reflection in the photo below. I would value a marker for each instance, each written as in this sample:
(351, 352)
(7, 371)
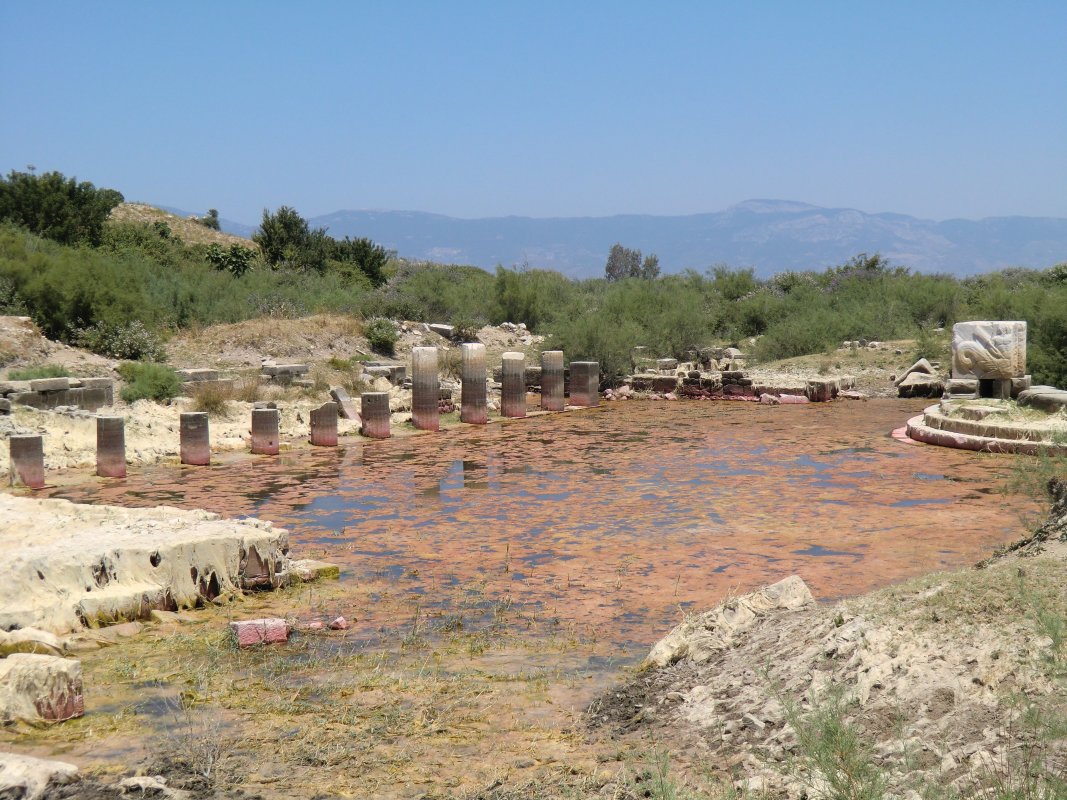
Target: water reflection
(615, 518)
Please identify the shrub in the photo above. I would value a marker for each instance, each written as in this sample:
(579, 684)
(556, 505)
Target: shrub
(248, 389)
(148, 381)
(211, 398)
(466, 329)
(132, 341)
(38, 371)
(236, 260)
(382, 336)
(10, 302)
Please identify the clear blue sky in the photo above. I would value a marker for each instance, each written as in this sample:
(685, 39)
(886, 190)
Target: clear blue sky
(937, 109)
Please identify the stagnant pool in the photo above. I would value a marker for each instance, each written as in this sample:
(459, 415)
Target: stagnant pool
(614, 521)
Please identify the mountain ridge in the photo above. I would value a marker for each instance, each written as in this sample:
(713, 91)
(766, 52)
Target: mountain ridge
(765, 234)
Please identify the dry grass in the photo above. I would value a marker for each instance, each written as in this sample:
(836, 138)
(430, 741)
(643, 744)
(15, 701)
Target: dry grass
(188, 230)
(213, 399)
(244, 344)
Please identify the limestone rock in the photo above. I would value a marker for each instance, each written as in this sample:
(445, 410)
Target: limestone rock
(700, 637)
(69, 565)
(919, 384)
(344, 402)
(1045, 398)
(38, 688)
(28, 778)
(30, 640)
(922, 366)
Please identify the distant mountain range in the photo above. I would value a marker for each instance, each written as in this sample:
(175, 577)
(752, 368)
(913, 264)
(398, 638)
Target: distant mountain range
(769, 235)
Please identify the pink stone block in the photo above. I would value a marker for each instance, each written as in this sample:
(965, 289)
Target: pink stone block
(194, 438)
(324, 425)
(552, 381)
(339, 624)
(27, 461)
(375, 408)
(252, 632)
(111, 447)
(792, 399)
(265, 436)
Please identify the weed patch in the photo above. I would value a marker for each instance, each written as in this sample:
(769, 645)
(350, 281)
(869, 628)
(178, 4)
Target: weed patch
(38, 371)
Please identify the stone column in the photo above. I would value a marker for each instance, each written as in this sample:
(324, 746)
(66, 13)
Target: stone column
(472, 404)
(585, 383)
(111, 447)
(27, 461)
(513, 385)
(552, 380)
(265, 434)
(425, 389)
(375, 414)
(195, 439)
(324, 425)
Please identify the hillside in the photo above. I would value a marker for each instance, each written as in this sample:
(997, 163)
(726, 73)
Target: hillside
(183, 227)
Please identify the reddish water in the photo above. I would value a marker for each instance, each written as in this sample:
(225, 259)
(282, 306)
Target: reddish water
(612, 522)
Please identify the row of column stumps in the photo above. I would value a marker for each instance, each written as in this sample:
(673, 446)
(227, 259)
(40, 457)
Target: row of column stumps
(27, 451)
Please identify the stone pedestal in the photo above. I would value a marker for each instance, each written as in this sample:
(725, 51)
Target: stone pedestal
(195, 440)
(324, 425)
(111, 447)
(375, 414)
(994, 388)
(265, 436)
(27, 461)
(473, 406)
(585, 383)
(425, 389)
(552, 380)
(513, 385)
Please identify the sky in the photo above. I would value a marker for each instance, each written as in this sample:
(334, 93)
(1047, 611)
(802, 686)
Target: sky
(546, 109)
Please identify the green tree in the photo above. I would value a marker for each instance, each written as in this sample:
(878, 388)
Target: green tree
(368, 257)
(56, 207)
(287, 241)
(283, 237)
(211, 220)
(626, 263)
